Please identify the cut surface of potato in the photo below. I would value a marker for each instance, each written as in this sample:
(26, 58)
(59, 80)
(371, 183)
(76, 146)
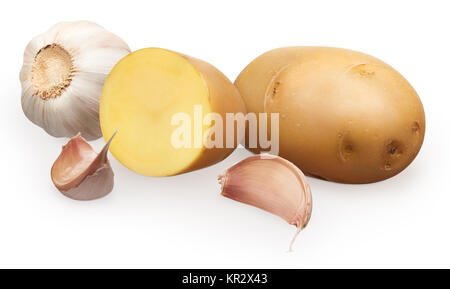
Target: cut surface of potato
(140, 98)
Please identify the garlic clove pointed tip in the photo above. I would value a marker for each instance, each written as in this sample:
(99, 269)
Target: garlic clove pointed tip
(104, 152)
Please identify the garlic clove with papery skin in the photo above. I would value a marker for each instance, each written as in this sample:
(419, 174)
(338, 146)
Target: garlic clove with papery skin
(63, 74)
(273, 184)
(80, 173)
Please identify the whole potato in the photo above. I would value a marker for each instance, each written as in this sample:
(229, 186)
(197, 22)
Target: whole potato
(344, 116)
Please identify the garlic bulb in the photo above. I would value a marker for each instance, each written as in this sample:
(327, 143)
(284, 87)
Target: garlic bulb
(273, 184)
(62, 77)
(80, 173)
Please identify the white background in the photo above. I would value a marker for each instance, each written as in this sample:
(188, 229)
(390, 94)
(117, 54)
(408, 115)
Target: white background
(182, 221)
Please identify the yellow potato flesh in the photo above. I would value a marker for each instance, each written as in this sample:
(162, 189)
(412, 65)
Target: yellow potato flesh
(142, 94)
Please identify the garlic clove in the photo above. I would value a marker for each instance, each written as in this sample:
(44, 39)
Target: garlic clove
(82, 174)
(63, 74)
(273, 184)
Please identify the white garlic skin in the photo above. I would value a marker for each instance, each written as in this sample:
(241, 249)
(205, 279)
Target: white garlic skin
(93, 51)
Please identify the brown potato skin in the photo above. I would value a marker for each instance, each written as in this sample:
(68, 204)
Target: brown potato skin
(344, 116)
(224, 98)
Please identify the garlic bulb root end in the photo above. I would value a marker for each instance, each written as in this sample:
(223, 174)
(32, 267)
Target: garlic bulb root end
(62, 77)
